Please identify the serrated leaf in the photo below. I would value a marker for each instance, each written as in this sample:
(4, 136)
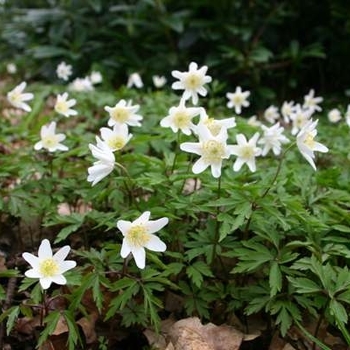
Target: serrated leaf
(275, 279)
(304, 285)
(338, 311)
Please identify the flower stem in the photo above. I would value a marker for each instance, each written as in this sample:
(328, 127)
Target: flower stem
(217, 226)
(176, 151)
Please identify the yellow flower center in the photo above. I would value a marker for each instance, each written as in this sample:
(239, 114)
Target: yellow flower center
(237, 99)
(309, 141)
(116, 142)
(213, 126)
(138, 236)
(48, 267)
(181, 119)
(49, 141)
(247, 152)
(15, 97)
(61, 107)
(193, 81)
(213, 151)
(120, 114)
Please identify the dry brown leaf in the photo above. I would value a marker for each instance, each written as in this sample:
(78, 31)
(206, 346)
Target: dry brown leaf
(88, 326)
(158, 340)
(61, 326)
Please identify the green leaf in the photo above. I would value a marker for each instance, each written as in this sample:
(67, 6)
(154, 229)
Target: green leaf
(275, 279)
(50, 322)
(196, 271)
(304, 285)
(338, 311)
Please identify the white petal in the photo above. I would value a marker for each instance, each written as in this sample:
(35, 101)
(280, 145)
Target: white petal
(143, 218)
(191, 147)
(123, 226)
(61, 254)
(45, 282)
(45, 250)
(67, 265)
(31, 259)
(320, 148)
(155, 244)
(33, 273)
(216, 169)
(126, 249)
(238, 164)
(199, 166)
(139, 255)
(156, 225)
(59, 279)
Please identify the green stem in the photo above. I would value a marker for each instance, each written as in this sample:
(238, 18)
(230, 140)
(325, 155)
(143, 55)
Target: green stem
(345, 333)
(176, 151)
(217, 227)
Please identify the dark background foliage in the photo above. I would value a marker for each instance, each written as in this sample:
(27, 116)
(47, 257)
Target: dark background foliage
(276, 48)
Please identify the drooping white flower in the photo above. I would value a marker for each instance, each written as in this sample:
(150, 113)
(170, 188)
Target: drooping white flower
(48, 267)
(271, 114)
(246, 151)
(50, 140)
(311, 102)
(286, 110)
(64, 71)
(347, 115)
(105, 163)
(134, 80)
(158, 81)
(212, 149)
(81, 85)
(139, 235)
(124, 113)
(238, 99)
(306, 143)
(272, 139)
(11, 68)
(215, 125)
(63, 105)
(334, 115)
(299, 117)
(95, 77)
(117, 137)
(180, 118)
(192, 82)
(17, 97)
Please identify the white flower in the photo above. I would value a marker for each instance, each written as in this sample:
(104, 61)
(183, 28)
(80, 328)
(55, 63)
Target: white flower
(117, 137)
(246, 151)
(11, 68)
(95, 77)
(63, 105)
(47, 267)
(139, 235)
(124, 113)
(16, 97)
(286, 110)
(215, 125)
(271, 114)
(306, 143)
(81, 85)
(238, 99)
(212, 149)
(347, 116)
(158, 81)
(299, 117)
(64, 71)
(192, 82)
(105, 163)
(334, 115)
(180, 118)
(311, 102)
(50, 140)
(134, 80)
(272, 139)
(253, 121)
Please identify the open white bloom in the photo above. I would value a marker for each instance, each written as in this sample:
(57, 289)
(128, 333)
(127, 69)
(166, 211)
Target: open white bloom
(50, 140)
(253, 121)
(124, 113)
(246, 151)
(215, 125)
(17, 97)
(238, 99)
(311, 102)
(11, 68)
(286, 110)
(64, 71)
(95, 77)
(306, 143)
(272, 139)
(139, 235)
(192, 82)
(271, 114)
(347, 116)
(212, 149)
(81, 85)
(63, 105)
(158, 81)
(105, 163)
(117, 137)
(180, 118)
(299, 117)
(47, 267)
(334, 115)
(134, 80)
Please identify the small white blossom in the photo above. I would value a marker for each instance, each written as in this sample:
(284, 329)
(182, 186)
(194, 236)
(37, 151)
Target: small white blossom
(158, 81)
(306, 143)
(63, 105)
(95, 77)
(215, 125)
(49, 268)
(134, 80)
(11, 68)
(347, 116)
(50, 140)
(105, 163)
(334, 115)
(286, 110)
(124, 113)
(272, 139)
(17, 97)
(253, 121)
(311, 102)
(139, 235)
(117, 137)
(64, 71)
(246, 151)
(192, 82)
(212, 149)
(81, 85)
(299, 117)
(271, 114)
(238, 99)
